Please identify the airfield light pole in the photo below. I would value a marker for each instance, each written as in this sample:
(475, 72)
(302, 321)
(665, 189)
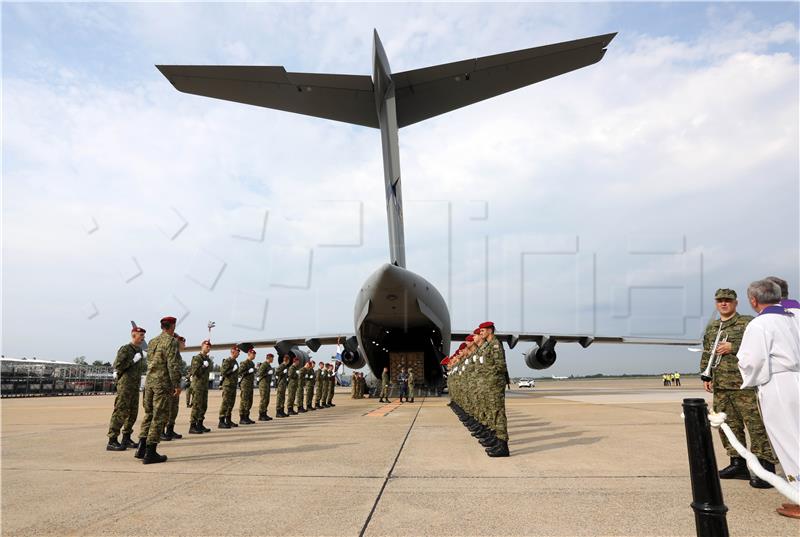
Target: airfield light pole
(709, 509)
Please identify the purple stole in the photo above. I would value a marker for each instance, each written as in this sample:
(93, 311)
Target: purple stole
(781, 310)
(790, 303)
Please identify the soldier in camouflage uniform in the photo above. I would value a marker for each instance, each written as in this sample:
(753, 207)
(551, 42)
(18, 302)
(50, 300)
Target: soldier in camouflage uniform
(331, 384)
(311, 381)
(411, 383)
(319, 381)
(281, 383)
(169, 431)
(293, 378)
(385, 386)
(301, 388)
(740, 405)
(229, 371)
(496, 358)
(199, 373)
(265, 373)
(127, 371)
(162, 383)
(247, 373)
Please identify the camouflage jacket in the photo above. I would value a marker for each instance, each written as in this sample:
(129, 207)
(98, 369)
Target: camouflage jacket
(229, 371)
(200, 368)
(411, 379)
(247, 373)
(163, 364)
(497, 361)
(265, 374)
(292, 374)
(311, 377)
(128, 367)
(319, 376)
(385, 379)
(726, 376)
(280, 374)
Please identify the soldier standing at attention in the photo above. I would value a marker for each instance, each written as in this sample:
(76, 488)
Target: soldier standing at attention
(301, 387)
(229, 372)
(264, 386)
(402, 380)
(162, 383)
(281, 382)
(127, 371)
(385, 386)
(247, 373)
(738, 404)
(293, 378)
(499, 380)
(354, 385)
(199, 373)
(311, 380)
(411, 383)
(319, 384)
(331, 385)
(169, 431)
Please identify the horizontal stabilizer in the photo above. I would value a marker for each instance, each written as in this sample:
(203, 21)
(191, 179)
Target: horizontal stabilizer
(347, 98)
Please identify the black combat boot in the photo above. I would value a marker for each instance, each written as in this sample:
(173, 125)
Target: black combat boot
(223, 423)
(412, 400)
(165, 436)
(141, 448)
(171, 432)
(268, 417)
(262, 416)
(301, 410)
(113, 445)
(193, 429)
(332, 405)
(127, 442)
(489, 442)
(151, 456)
(280, 413)
(292, 411)
(500, 450)
(310, 408)
(203, 427)
(229, 422)
(737, 469)
(758, 483)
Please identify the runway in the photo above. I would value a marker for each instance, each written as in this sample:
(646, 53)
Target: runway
(589, 457)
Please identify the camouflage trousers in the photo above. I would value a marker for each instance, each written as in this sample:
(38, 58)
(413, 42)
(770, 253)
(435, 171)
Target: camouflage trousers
(246, 399)
(331, 386)
(199, 400)
(309, 394)
(228, 399)
(301, 387)
(126, 410)
(496, 410)
(384, 392)
(280, 396)
(263, 391)
(174, 403)
(411, 391)
(156, 401)
(320, 389)
(741, 407)
(292, 393)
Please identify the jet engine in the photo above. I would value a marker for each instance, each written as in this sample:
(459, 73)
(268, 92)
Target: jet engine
(351, 357)
(542, 356)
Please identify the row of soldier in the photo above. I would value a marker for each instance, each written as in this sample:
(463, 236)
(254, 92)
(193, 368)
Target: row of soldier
(307, 389)
(477, 379)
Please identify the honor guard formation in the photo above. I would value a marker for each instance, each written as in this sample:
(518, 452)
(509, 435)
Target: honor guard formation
(308, 389)
(477, 380)
(752, 366)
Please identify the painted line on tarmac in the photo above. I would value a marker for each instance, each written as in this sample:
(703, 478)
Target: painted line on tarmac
(389, 473)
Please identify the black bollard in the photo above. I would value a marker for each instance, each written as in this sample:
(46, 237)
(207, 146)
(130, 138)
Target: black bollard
(709, 509)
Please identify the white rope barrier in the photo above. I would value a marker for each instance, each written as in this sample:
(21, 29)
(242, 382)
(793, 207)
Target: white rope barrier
(717, 420)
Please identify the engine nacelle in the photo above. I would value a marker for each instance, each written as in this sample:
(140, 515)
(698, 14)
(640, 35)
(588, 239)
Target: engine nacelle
(542, 357)
(351, 357)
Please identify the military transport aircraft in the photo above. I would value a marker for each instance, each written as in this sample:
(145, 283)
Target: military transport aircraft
(397, 310)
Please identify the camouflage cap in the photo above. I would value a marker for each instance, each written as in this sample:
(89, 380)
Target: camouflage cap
(725, 293)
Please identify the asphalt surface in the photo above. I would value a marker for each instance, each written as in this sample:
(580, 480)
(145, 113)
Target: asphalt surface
(588, 458)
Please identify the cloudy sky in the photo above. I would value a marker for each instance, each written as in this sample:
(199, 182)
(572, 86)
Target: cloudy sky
(613, 200)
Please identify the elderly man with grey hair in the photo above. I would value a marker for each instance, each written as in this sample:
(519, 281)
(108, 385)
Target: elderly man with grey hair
(769, 358)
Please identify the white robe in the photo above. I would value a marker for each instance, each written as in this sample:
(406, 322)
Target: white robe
(769, 357)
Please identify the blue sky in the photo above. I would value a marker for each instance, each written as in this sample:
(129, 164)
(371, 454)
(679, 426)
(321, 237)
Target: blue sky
(672, 164)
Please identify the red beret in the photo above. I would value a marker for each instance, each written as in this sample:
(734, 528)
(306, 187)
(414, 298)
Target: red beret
(182, 339)
(470, 338)
(172, 320)
(235, 347)
(253, 351)
(462, 346)
(476, 331)
(206, 341)
(138, 330)
(487, 324)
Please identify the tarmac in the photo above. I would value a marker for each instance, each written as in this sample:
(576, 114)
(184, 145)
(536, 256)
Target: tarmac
(588, 457)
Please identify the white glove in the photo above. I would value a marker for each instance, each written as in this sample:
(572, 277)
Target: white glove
(115, 375)
(137, 357)
(258, 380)
(235, 367)
(250, 370)
(269, 372)
(481, 359)
(205, 363)
(474, 359)
(298, 373)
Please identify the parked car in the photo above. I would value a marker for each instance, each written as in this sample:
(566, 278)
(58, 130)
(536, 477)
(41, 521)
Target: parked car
(527, 383)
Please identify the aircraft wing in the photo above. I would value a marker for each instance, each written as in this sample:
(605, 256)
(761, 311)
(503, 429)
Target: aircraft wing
(347, 98)
(424, 93)
(584, 341)
(313, 343)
